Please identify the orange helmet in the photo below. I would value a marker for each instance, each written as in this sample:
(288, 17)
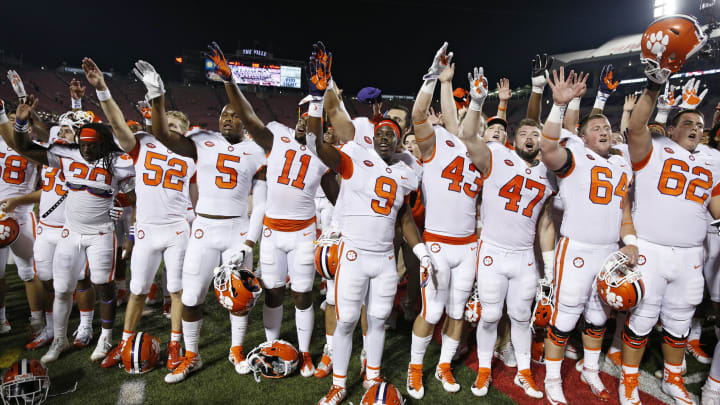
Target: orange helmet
(544, 303)
(25, 382)
(669, 41)
(327, 255)
(620, 286)
(473, 308)
(276, 359)
(9, 230)
(382, 393)
(140, 353)
(236, 289)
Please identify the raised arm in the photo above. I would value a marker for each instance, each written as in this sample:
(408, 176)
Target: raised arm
(6, 128)
(259, 132)
(554, 156)
(627, 233)
(572, 115)
(470, 133)
(21, 140)
(606, 87)
(546, 239)
(628, 107)
(504, 94)
(539, 70)
(447, 101)
(178, 143)
(424, 132)
(94, 76)
(639, 138)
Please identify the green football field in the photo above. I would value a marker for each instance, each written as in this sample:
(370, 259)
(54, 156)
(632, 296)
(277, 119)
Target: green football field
(217, 382)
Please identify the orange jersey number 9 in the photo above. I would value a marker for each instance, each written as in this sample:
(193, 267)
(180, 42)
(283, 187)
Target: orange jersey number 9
(385, 188)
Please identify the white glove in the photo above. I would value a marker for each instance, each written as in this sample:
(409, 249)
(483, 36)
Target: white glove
(17, 84)
(666, 102)
(116, 213)
(427, 271)
(548, 265)
(654, 73)
(478, 89)
(690, 98)
(239, 256)
(439, 63)
(150, 78)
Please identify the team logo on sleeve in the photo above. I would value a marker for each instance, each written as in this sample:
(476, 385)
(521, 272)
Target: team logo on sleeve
(368, 163)
(509, 162)
(151, 145)
(140, 234)
(528, 171)
(199, 233)
(351, 255)
(669, 150)
(435, 248)
(267, 232)
(589, 156)
(65, 233)
(389, 170)
(487, 260)
(578, 262)
(285, 139)
(450, 143)
(641, 260)
(209, 144)
(368, 140)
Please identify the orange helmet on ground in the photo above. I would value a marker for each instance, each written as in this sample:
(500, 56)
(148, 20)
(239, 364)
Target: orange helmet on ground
(9, 230)
(670, 40)
(382, 393)
(140, 353)
(473, 308)
(544, 303)
(620, 286)
(236, 289)
(327, 255)
(276, 359)
(25, 382)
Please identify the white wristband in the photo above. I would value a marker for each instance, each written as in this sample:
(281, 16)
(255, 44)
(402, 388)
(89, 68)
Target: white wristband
(76, 103)
(478, 223)
(103, 95)
(630, 240)
(538, 90)
(420, 250)
(475, 106)
(600, 100)
(148, 122)
(330, 85)
(574, 104)
(429, 86)
(557, 113)
(315, 109)
(661, 116)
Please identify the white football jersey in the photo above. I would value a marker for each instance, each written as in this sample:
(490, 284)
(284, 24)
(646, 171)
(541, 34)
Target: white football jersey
(594, 192)
(18, 175)
(513, 196)
(293, 176)
(162, 184)
(91, 187)
(224, 173)
(715, 156)
(450, 185)
(53, 190)
(372, 194)
(673, 188)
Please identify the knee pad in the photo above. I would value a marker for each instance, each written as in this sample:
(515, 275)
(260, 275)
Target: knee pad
(491, 313)
(520, 313)
(432, 309)
(138, 286)
(305, 255)
(344, 327)
(632, 339)
(593, 331)
(557, 336)
(674, 341)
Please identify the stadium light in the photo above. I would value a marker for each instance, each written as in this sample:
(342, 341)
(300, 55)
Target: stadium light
(179, 59)
(663, 7)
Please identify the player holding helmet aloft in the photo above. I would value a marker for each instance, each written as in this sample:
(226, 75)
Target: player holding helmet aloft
(594, 185)
(671, 176)
(367, 273)
(227, 169)
(293, 178)
(161, 230)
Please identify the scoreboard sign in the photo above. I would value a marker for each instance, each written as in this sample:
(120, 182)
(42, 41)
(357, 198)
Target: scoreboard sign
(259, 74)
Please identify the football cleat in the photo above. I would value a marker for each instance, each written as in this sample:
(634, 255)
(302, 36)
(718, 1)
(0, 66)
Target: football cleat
(59, 345)
(482, 382)
(5, 327)
(507, 355)
(554, 392)
(414, 385)
(83, 336)
(336, 395)
(114, 357)
(174, 355)
(674, 385)
(325, 366)
(525, 380)
(307, 369)
(443, 373)
(237, 358)
(189, 364)
(571, 352)
(628, 389)
(592, 379)
(710, 396)
(102, 348)
(693, 347)
(36, 328)
(41, 340)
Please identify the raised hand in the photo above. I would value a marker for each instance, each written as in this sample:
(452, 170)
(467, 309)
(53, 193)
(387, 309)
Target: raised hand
(440, 61)
(222, 68)
(93, 74)
(25, 107)
(447, 73)
(146, 73)
(539, 71)
(607, 85)
(580, 83)
(667, 100)
(564, 89)
(630, 101)
(17, 84)
(145, 110)
(77, 90)
(690, 97)
(478, 88)
(435, 117)
(503, 89)
(320, 67)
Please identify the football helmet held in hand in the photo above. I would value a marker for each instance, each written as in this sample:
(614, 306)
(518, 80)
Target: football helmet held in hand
(237, 289)
(473, 308)
(9, 229)
(670, 40)
(327, 254)
(544, 303)
(620, 286)
(25, 382)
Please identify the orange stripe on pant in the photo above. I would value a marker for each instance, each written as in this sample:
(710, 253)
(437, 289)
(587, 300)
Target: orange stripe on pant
(560, 254)
(114, 255)
(337, 281)
(34, 225)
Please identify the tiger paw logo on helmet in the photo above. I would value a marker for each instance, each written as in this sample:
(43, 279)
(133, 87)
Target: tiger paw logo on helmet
(276, 359)
(236, 289)
(613, 300)
(657, 43)
(9, 229)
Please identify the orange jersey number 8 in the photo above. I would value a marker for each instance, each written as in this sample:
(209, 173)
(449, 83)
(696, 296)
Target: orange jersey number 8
(385, 188)
(14, 172)
(178, 169)
(677, 186)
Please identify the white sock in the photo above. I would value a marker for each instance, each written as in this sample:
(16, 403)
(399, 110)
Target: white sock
(591, 359)
(191, 333)
(329, 341)
(630, 369)
(238, 328)
(418, 347)
(342, 347)
(485, 335)
(673, 368)
(304, 322)
(175, 336)
(49, 323)
(375, 341)
(552, 369)
(272, 320)
(521, 338)
(448, 349)
(126, 335)
(86, 318)
(36, 316)
(695, 329)
(61, 308)
(339, 380)
(107, 333)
